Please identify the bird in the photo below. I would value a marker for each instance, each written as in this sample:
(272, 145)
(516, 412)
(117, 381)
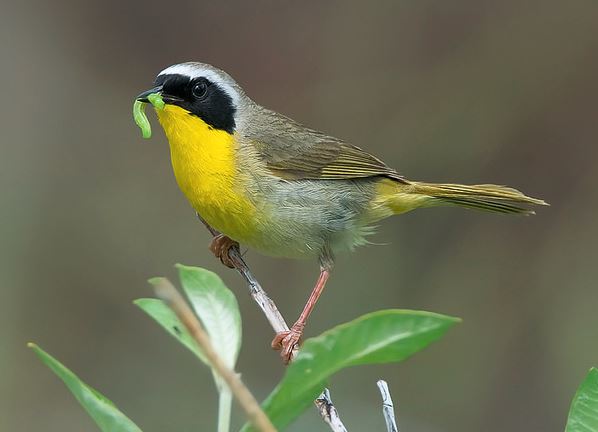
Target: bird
(274, 185)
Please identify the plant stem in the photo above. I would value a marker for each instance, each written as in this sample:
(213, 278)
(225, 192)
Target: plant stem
(388, 409)
(168, 294)
(225, 400)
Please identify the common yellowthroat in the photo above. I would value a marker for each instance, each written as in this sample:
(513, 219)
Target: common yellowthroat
(270, 183)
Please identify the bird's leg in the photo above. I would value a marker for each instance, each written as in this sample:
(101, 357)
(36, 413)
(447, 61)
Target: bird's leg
(286, 341)
(220, 246)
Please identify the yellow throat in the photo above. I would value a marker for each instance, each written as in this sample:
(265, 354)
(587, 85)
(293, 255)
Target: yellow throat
(204, 164)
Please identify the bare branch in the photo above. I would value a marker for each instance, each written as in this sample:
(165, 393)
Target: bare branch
(166, 292)
(387, 407)
(276, 320)
(329, 413)
(258, 294)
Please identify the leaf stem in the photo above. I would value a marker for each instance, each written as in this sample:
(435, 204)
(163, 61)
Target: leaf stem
(225, 400)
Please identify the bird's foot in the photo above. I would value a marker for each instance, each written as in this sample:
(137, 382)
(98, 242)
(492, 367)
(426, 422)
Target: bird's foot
(220, 247)
(286, 341)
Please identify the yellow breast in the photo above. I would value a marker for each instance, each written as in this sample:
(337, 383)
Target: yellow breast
(203, 160)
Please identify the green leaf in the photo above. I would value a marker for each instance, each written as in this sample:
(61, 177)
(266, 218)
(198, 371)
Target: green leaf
(217, 308)
(379, 337)
(583, 415)
(102, 410)
(164, 316)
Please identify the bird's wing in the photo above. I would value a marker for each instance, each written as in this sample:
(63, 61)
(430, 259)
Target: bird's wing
(330, 161)
(293, 152)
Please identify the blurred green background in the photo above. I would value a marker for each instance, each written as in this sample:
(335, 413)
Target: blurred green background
(465, 91)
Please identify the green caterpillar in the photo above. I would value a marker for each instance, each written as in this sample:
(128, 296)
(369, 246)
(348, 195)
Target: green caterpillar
(139, 113)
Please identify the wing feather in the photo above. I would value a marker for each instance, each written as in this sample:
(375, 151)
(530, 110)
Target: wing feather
(331, 161)
(292, 151)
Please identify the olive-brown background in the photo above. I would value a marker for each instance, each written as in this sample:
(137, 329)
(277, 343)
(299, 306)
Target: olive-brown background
(467, 91)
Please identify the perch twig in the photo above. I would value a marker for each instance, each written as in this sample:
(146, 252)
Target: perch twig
(258, 294)
(255, 414)
(278, 324)
(388, 409)
(329, 413)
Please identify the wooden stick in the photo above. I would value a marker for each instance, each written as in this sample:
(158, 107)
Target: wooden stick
(255, 414)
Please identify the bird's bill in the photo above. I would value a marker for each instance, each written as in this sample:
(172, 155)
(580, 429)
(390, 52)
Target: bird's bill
(158, 89)
(143, 96)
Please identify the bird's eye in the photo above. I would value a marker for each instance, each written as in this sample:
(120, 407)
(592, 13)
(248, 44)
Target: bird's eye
(200, 89)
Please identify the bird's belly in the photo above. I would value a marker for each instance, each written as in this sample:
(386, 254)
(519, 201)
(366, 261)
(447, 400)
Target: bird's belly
(302, 218)
(254, 224)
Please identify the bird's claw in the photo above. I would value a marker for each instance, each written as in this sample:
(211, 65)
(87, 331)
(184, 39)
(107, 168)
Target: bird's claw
(286, 341)
(220, 247)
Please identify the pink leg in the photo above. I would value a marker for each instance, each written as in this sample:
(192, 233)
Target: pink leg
(286, 341)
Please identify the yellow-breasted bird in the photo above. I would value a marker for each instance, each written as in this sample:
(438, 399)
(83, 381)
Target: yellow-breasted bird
(270, 183)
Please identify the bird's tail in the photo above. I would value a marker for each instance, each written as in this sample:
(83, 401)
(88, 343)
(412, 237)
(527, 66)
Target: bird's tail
(487, 197)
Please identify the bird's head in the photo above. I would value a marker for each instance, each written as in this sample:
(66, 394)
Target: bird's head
(200, 90)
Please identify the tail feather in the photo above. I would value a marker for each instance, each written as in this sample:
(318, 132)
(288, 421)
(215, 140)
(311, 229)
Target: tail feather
(488, 197)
